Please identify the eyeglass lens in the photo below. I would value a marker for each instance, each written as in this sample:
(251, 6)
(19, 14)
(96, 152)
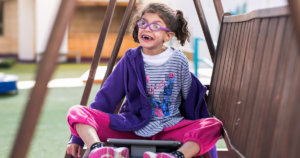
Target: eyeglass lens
(153, 26)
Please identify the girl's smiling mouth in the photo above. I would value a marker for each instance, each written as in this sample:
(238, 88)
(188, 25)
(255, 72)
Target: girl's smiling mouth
(147, 38)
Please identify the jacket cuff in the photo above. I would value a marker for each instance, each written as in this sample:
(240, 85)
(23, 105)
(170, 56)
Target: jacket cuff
(76, 140)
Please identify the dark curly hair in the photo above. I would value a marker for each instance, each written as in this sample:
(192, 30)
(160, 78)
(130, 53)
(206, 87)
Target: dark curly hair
(173, 19)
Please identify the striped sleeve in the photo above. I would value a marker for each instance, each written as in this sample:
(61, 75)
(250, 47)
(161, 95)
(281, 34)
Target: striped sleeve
(186, 77)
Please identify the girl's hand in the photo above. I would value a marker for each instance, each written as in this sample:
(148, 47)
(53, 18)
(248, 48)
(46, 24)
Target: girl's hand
(74, 149)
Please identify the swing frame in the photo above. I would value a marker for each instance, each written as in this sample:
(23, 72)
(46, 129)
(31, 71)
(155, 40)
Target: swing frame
(47, 66)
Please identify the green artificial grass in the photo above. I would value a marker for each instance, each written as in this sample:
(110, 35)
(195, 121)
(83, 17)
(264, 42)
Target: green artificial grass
(52, 132)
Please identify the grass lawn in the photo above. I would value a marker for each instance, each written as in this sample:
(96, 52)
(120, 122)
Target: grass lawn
(52, 133)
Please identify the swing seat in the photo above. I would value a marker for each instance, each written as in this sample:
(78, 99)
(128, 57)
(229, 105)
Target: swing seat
(138, 147)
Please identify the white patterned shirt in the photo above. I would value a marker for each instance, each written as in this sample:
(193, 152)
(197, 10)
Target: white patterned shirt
(168, 80)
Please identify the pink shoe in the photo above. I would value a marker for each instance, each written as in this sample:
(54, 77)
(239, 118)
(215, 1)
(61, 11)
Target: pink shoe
(110, 152)
(121, 152)
(165, 155)
(149, 154)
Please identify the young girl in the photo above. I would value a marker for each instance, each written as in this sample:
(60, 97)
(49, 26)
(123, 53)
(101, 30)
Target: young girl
(164, 101)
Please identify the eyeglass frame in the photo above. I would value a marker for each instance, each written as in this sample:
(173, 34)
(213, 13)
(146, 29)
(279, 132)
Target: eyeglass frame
(148, 25)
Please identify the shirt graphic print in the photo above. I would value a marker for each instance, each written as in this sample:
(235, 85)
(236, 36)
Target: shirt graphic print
(161, 107)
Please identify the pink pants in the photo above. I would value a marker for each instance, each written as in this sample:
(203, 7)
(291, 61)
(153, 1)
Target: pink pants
(206, 132)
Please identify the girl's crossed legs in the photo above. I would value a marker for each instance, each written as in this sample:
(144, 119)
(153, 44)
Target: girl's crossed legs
(197, 136)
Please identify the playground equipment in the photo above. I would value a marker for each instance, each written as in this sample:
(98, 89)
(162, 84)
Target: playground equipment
(196, 60)
(8, 83)
(254, 88)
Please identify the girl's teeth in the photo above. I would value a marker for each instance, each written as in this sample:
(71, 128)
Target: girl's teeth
(146, 37)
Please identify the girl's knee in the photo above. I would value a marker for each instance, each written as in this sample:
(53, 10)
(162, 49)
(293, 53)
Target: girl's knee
(214, 121)
(211, 124)
(216, 125)
(77, 112)
(75, 109)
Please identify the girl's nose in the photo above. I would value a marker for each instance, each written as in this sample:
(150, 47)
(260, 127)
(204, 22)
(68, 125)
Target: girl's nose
(148, 28)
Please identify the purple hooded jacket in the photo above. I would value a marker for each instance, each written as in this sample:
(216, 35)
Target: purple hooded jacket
(128, 79)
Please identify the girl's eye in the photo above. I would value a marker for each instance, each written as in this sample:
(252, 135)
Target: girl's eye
(143, 23)
(155, 26)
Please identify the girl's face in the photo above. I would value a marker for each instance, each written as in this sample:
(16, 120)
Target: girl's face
(153, 40)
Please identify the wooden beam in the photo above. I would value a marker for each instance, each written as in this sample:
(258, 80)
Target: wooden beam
(230, 147)
(256, 14)
(119, 39)
(94, 65)
(294, 6)
(219, 9)
(205, 28)
(87, 90)
(1, 7)
(99, 3)
(45, 71)
(117, 46)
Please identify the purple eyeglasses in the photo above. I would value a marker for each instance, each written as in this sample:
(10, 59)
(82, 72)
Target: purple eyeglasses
(142, 24)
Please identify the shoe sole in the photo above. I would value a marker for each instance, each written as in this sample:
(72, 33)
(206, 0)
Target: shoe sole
(149, 155)
(121, 152)
(106, 152)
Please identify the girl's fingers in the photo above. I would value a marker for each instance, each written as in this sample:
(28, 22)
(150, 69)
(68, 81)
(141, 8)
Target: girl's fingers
(79, 151)
(69, 150)
(74, 151)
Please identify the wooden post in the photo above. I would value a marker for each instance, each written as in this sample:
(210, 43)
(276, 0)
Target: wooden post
(107, 20)
(294, 6)
(205, 29)
(119, 40)
(1, 7)
(39, 91)
(219, 9)
(94, 65)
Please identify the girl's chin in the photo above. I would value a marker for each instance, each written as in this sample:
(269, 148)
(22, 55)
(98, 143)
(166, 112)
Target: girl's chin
(145, 41)
(146, 45)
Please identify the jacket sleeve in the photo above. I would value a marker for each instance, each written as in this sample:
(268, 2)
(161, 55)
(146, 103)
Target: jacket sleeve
(194, 107)
(76, 140)
(113, 90)
(109, 96)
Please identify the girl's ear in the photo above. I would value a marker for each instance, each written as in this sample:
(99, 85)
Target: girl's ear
(169, 36)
